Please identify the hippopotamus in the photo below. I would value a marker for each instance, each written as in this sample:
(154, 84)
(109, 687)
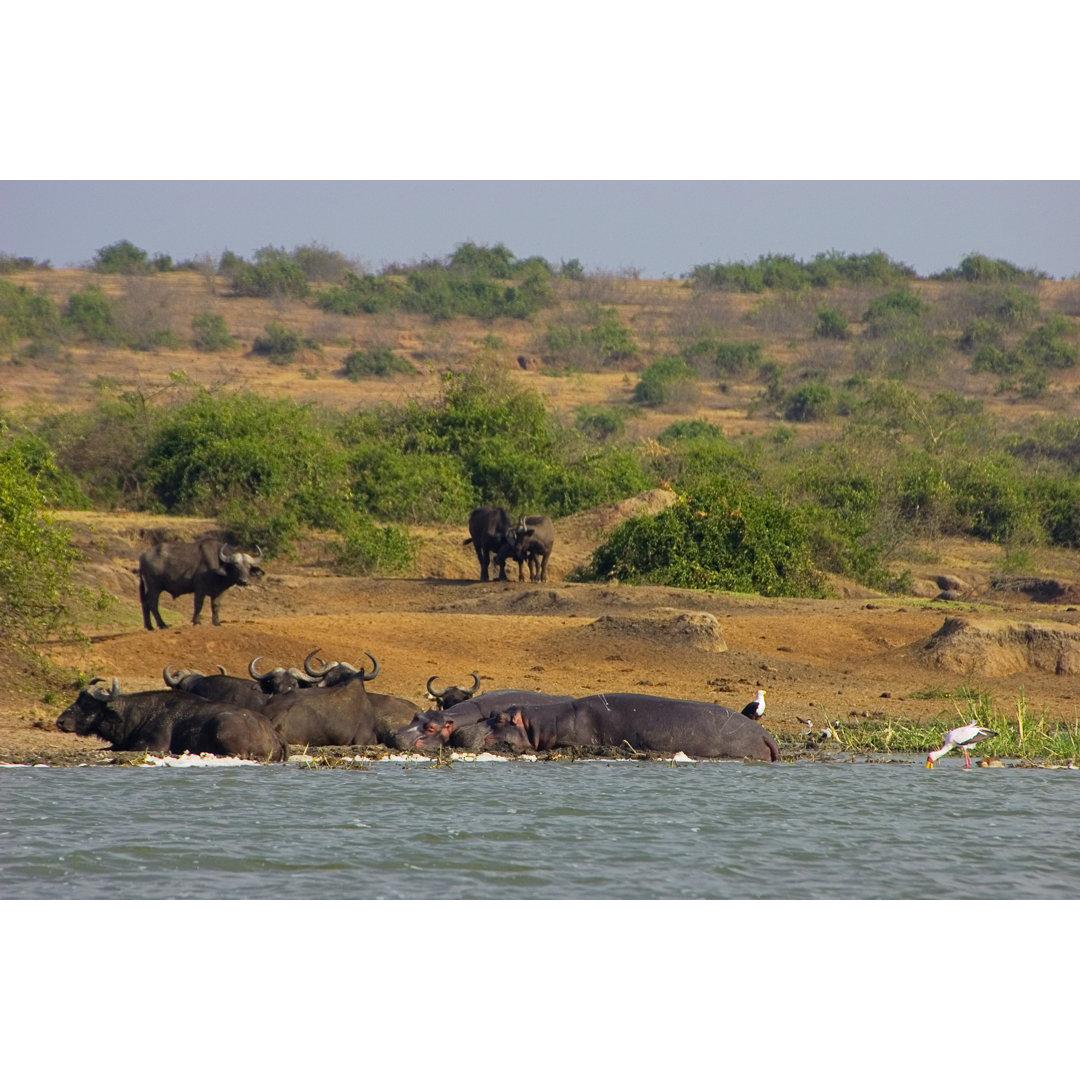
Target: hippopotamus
(635, 721)
(433, 728)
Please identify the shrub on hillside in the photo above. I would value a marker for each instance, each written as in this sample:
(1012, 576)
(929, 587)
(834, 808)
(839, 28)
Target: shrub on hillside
(591, 339)
(121, 258)
(209, 332)
(36, 555)
(812, 401)
(976, 267)
(831, 323)
(719, 535)
(94, 315)
(25, 314)
(319, 263)
(280, 344)
(273, 273)
(377, 361)
(668, 381)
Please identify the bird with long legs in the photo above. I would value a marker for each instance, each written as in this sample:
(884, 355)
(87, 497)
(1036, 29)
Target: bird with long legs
(962, 738)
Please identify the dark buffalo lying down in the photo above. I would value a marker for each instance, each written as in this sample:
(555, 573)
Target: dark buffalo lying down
(203, 567)
(488, 529)
(632, 721)
(171, 721)
(340, 714)
(444, 727)
(254, 693)
(390, 712)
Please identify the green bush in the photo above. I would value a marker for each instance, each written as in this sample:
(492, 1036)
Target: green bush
(897, 301)
(1007, 304)
(366, 548)
(121, 258)
(719, 535)
(572, 270)
(319, 263)
(361, 295)
(13, 264)
(593, 340)
(981, 332)
(92, 313)
(280, 343)
(831, 323)
(469, 258)
(600, 422)
(209, 332)
(976, 267)
(379, 361)
(36, 555)
(813, 400)
(667, 381)
(273, 273)
(264, 466)
(1047, 346)
(25, 314)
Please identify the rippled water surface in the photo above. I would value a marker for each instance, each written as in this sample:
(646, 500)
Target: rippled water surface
(518, 830)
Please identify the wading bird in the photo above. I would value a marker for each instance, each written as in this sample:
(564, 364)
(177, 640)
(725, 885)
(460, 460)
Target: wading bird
(962, 737)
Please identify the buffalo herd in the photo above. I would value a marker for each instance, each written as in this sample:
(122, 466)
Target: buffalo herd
(321, 703)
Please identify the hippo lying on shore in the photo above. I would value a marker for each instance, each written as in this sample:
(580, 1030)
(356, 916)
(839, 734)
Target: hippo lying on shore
(433, 728)
(635, 721)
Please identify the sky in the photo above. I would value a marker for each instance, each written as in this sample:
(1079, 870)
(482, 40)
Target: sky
(626, 136)
(660, 228)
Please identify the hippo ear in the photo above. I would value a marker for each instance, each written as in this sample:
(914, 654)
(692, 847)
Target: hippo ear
(516, 718)
(447, 728)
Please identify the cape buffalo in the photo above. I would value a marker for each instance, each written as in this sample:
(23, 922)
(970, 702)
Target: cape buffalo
(635, 721)
(340, 714)
(530, 541)
(452, 695)
(488, 529)
(390, 712)
(171, 721)
(203, 567)
(251, 693)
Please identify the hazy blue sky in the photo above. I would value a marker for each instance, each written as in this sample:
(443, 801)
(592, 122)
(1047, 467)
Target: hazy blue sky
(659, 227)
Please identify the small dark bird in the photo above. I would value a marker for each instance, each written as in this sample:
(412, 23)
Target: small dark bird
(756, 708)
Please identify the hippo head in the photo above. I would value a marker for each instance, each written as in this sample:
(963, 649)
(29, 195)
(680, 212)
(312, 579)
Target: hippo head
(507, 730)
(428, 731)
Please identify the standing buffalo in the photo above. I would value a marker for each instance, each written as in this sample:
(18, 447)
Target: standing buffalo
(488, 530)
(635, 721)
(171, 721)
(530, 541)
(203, 567)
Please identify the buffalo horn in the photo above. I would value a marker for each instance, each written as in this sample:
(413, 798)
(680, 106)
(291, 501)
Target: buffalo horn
(104, 695)
(374, 670)
(307, 666)
(221, 668)
(431, 693)
(475, 683)
(253, 673)
(170, 679)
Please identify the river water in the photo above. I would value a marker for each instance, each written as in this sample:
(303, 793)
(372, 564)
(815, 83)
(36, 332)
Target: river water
(493, 830)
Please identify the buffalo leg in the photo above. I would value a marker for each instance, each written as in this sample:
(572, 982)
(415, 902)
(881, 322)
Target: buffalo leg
(150, 607)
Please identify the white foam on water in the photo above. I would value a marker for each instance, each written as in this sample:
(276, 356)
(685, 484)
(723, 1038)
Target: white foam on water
(196, 761)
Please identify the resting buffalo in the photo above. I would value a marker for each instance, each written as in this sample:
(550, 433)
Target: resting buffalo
(441, 727)
(253, 693)
(172, 721)
(634, 721)
(488, 529)
(390, 712)
(340, 714)
(452, 695)
(203, 567)
(530, 541)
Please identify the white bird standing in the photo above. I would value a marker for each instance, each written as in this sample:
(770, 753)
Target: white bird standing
(756, 708)
(961, 737)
